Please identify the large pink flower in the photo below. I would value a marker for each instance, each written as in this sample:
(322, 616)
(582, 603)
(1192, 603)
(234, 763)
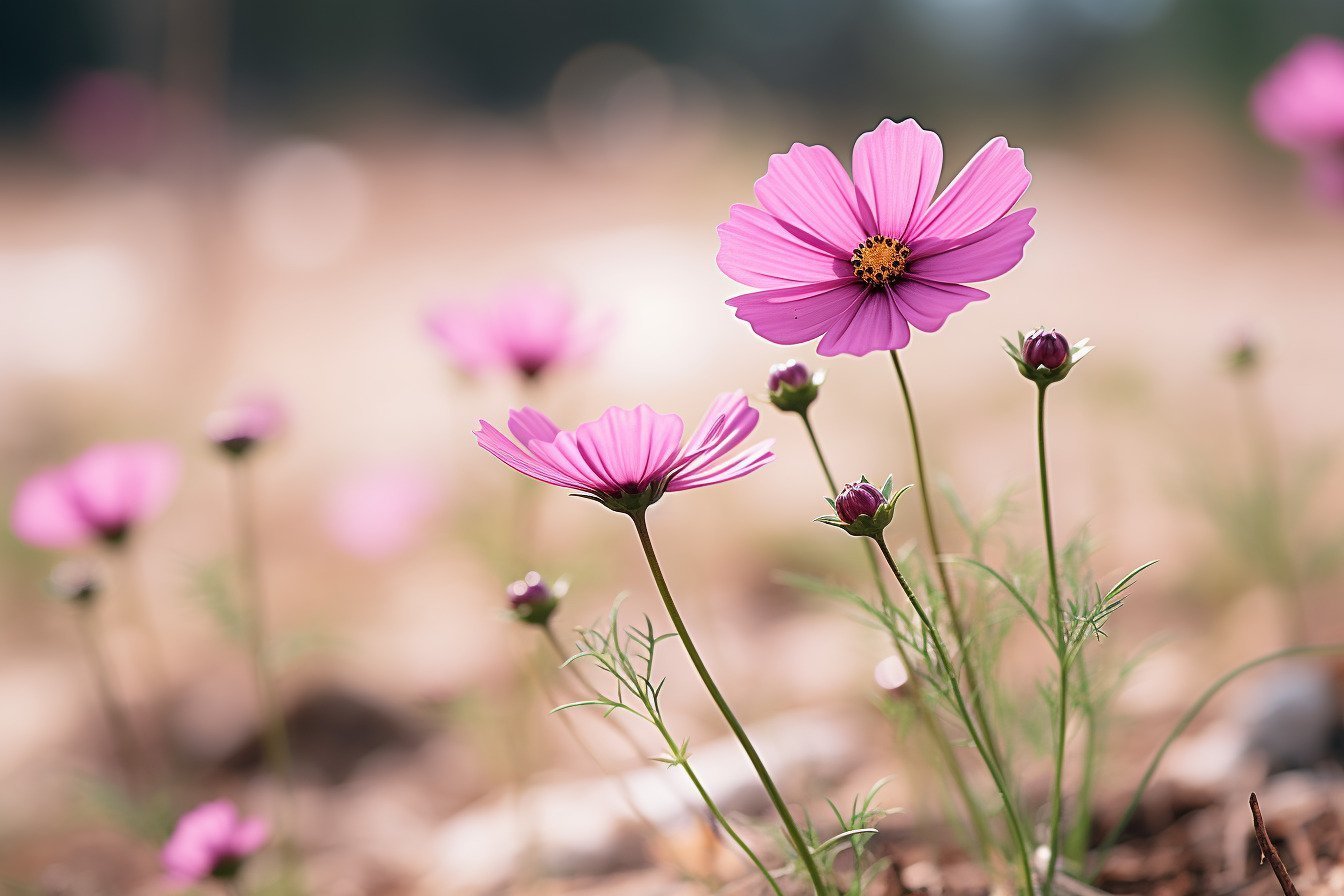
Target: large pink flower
(859, 261)
(1299, 104)
(627, 459)
(211, 840)
(100, 494)
(527, 328)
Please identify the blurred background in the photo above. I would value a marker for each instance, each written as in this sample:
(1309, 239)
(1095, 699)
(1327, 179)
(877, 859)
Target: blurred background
(200, 199)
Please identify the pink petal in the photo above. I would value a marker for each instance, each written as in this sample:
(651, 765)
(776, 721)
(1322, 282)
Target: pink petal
(808, 188)
(249, 836)
(43, 514)
(982, 193)
(528, 424)
(748, 461)
(727, 423)
(928, 305)
(896, 170)
(123, 482)
(464, 336)
(1299, 104)
(874, 324)
(798, 314)
(985, 254)
(757, 249)
(631, 448)
(498, 444)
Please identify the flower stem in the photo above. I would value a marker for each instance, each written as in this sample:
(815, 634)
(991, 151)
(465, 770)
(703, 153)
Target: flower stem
(954, 615)
(926, 716)
(129, 585)
(122, 738)
(785, 816)
(1061, 648)
(991, 761)
(275, 739)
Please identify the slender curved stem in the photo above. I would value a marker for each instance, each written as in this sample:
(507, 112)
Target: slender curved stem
(1184, 722)
(129, 586)
(275, 739)
(123, 739)
(953, 613)
(785, 816)
(1061, 653)
(991, 763)
(926, 716)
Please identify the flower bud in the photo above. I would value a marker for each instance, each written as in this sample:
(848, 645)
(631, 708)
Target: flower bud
(792, 386)
(858, 499)
(240, 427)
(74, 581)
(532, 600)
(862, 508)
(1045, 348)
(1044, 356)
(1243, 355)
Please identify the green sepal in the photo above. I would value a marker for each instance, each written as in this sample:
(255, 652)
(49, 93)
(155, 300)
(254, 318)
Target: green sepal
(797, 399)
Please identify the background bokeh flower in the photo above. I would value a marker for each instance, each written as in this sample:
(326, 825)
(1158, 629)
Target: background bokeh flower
(212, 840)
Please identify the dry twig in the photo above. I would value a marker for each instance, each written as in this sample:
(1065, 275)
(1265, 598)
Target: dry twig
(1267, 851)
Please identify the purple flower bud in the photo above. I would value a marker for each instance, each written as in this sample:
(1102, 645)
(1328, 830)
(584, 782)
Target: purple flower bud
(530, 589)
(1045, 348)
(790, 373)
(532, 600)
(858, 499)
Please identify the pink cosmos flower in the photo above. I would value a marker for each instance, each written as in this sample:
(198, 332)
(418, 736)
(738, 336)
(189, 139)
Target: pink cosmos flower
(1299, 104)
(100, 494)
(239, 426)
(859, 261)
(627, 459)
(527, 328)
(212, 840)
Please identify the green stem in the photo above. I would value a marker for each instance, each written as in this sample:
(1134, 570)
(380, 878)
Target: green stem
(275, 739)
(122, 738)
(926, 716)
(1184, 722)
(991, 763)
(1075, 845)
(954, 615)
(1282, 571)
(785, 816)
(129, 586)
(1061, 651)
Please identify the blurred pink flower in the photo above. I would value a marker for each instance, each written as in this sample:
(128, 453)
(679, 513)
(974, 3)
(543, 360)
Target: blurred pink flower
(1299, 104)
(859, 261)
(627, 459)
(527, 328)
(100, 494)
(212, 840)
(380, 511)
(238, 426)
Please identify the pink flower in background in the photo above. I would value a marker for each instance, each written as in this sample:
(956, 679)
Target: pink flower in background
(526, 328)
(1299, 104)
(212, 840)
(859, 261)
(102, 493)
(380, 511)
(239, 426)
(109, 118)
(627, 459)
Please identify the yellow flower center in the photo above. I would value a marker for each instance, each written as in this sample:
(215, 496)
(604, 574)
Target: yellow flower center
(880, 260)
